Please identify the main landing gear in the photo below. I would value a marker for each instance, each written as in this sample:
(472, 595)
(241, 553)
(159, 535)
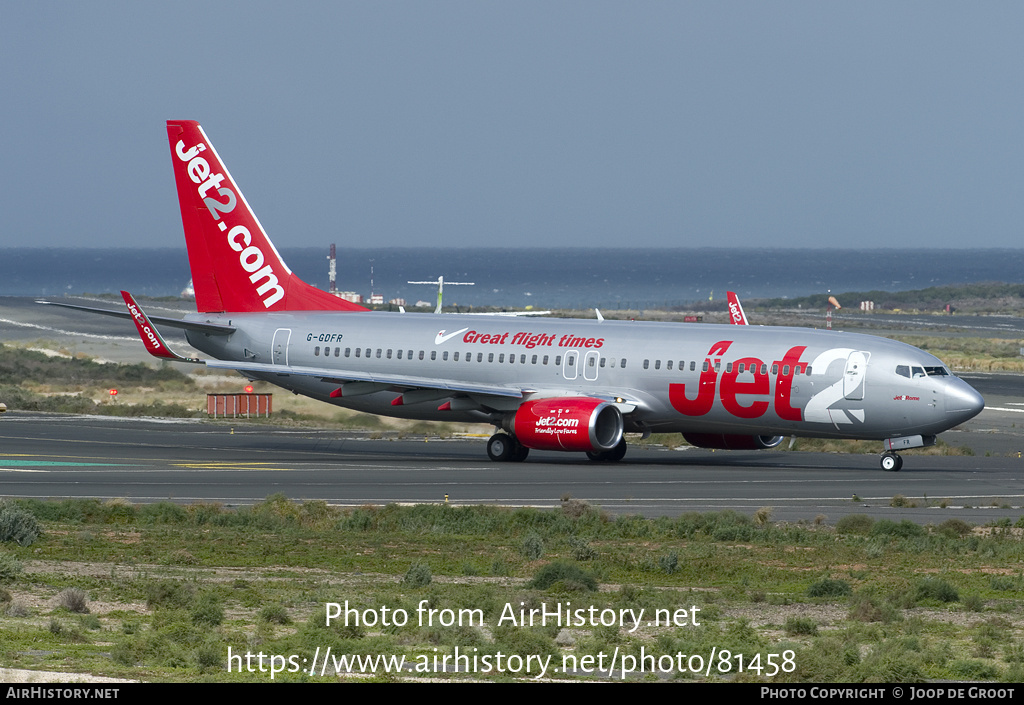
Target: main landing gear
(891, 462)
(503, 448)
(506, 448)
(610, 456)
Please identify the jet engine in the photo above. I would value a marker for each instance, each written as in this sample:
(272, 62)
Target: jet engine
(567, 423)
(726, 441)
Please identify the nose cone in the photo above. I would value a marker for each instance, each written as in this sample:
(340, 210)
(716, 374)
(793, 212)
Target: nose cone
(962, 401)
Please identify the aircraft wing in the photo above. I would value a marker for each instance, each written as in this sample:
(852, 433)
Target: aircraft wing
(354, 382)
(211, 328)
(385, 380)
(371, 381)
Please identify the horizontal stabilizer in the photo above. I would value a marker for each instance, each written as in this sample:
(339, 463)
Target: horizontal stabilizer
(209, 328)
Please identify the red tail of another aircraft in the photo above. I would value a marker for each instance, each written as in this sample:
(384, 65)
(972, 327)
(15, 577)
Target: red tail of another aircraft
(235, 267)
(736, 314)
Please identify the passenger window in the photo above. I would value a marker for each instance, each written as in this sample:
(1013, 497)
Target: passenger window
(316, 351)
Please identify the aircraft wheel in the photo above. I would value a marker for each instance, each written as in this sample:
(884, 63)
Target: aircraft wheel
(891, 462)
(520, 452)
(500, 447)
(596, 457)
(617, 453)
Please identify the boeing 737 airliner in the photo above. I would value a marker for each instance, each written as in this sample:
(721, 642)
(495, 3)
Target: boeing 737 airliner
(546, 384)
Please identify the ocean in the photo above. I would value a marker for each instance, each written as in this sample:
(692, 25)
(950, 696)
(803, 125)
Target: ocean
(541, 278)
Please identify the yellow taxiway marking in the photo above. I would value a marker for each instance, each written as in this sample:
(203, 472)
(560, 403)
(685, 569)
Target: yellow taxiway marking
(212, 465)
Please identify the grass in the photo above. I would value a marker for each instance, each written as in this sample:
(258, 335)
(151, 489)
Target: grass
(977, 354)
(170, 588)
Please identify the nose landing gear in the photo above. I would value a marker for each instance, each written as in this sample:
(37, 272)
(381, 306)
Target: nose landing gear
(891, 462)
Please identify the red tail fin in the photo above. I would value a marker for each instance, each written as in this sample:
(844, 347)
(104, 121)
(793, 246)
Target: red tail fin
(234, 265)
(736, 314)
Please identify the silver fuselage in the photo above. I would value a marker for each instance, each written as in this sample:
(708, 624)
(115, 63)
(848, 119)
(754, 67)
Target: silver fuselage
(667, 377)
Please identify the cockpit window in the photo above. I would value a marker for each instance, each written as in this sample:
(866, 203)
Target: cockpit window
(918, 372)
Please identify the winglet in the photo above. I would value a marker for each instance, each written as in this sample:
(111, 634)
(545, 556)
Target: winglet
(155, 344)
(736, 314)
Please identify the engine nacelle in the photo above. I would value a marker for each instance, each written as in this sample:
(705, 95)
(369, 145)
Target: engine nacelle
(725, 441)
(567, 423)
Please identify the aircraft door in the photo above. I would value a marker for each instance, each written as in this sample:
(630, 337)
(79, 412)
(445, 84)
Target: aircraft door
(282, 336)
(570, 364)
(590, 362)
(855, 374)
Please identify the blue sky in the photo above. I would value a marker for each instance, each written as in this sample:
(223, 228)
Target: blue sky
(677, 124)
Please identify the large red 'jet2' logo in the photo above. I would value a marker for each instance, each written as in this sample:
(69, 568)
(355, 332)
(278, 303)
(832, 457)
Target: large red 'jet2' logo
(756, 382)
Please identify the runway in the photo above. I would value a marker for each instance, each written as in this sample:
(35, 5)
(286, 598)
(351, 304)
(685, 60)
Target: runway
(59, 456)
